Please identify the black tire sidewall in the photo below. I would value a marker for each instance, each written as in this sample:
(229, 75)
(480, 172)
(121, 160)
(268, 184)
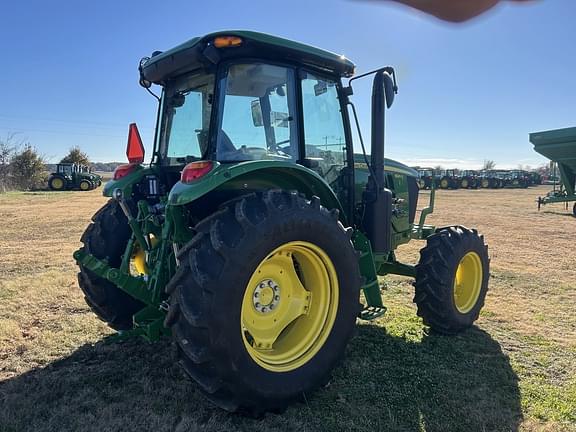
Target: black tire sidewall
(469, 244)
(106, 238)
(435, 278)
(51, 180)
(249, 376)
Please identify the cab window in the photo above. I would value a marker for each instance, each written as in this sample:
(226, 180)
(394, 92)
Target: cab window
(258, 114)
(323, 126)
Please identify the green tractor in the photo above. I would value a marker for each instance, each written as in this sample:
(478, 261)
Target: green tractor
(449, 179)
(255, 237)
(469, 179)
(490, 179)
(426, 178)
(71, 176)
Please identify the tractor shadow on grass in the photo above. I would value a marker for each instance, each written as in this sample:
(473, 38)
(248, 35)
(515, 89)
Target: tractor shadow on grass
(386, 383)
(434, 383)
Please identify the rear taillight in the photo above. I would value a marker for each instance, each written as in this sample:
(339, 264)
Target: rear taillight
(195, 170)
(123, 170)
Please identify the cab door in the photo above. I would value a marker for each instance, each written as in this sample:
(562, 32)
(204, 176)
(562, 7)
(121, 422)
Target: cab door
(323, 127)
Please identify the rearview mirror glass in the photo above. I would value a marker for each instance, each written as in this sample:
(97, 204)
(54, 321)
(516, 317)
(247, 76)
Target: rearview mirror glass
(257, 118)
(388, 90)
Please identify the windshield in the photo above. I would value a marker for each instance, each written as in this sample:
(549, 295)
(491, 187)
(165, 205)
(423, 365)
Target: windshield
(187, 107)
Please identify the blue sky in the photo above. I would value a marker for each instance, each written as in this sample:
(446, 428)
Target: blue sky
(467, 92)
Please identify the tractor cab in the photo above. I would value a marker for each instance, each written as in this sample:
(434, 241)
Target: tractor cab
(271, 110)
(66, 169)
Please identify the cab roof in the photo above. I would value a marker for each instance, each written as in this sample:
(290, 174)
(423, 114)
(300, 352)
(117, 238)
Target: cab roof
(200, 52)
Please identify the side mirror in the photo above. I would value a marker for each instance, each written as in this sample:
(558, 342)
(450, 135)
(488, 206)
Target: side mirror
(389, 90)
(257, 117)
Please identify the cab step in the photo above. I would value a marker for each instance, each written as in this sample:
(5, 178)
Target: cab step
(371, 312)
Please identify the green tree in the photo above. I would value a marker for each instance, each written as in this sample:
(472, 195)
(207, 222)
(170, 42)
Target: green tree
(7, 149)
(77, 156)
(27, 169)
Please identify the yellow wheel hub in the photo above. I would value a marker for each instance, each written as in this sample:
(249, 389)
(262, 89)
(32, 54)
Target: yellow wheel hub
(444, 183)
(464, 183)
(468, 282)
(84, 186)
(289, 306)
(57, 183)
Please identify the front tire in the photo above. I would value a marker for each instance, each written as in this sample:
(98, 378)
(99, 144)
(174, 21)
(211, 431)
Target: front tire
(85, 185)
(452, 279)
(264, 301)
(106, 238)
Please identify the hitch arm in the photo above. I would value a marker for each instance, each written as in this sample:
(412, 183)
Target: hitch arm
(134, 286)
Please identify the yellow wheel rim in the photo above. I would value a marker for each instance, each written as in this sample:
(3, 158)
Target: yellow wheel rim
(57, 183)
(464, 183)
(139, 257)
(444, 183)
(84, 185)
(289, 306)
(468, 282)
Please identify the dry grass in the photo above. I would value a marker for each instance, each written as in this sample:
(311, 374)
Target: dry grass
(515, 371)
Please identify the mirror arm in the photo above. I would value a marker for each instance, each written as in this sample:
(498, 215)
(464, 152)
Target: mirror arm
(348, 91)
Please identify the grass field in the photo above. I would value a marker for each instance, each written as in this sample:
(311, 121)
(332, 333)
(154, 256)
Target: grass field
(515, 371)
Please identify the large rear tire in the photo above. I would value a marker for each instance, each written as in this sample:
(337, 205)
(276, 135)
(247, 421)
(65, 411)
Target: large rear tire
(57, 183)
(452, 279)
(264, 301)
(106, 238)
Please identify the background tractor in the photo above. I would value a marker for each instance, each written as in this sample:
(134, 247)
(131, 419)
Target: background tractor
(70, 176)
(490, 179)
(255, 229)
(426, 178)
(449, 179)
(469, 179)
(516, 179)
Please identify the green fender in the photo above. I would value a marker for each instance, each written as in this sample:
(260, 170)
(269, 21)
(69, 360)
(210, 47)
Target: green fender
(257, 175)
(126, 182)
